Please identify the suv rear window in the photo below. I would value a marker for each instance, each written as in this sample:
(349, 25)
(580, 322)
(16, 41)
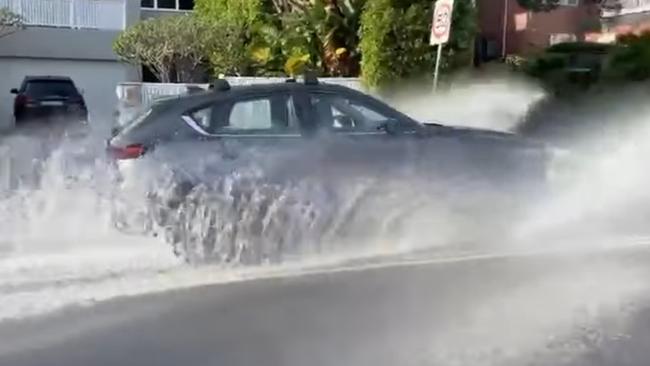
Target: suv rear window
(44, 88)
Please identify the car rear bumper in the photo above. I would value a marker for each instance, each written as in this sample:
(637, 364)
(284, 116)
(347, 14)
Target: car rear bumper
(45, 114)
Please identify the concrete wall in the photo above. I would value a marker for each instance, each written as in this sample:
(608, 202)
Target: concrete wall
(59, 43)
(156, 13)
(65, 43)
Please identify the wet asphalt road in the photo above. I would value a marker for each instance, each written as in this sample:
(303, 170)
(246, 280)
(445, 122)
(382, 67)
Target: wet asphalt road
(578, 309)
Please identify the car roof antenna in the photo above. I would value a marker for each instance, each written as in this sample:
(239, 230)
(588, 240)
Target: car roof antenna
(220, 85)
(310, 78)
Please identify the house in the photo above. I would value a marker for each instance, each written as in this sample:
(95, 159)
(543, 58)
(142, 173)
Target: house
(74, 38)
(507, 28)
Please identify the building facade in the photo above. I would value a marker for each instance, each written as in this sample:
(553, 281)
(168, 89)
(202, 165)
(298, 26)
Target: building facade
(74, 38)
(507, 28)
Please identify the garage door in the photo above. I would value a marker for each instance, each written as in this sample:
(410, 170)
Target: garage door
(97, 80)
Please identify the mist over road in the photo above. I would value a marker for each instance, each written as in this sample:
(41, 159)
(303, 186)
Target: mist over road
(555, 309)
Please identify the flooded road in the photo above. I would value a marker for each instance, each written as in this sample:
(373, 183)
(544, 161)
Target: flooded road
(570, 309)
(565, 284)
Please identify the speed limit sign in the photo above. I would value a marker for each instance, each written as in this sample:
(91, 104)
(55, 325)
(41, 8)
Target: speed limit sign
(440, 29)
(441, 26)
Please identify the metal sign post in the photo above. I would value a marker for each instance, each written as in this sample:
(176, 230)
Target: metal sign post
(440, 30)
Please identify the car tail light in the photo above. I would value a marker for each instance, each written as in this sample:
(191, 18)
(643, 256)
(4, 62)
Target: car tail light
(133, 151)
(22, 100)
(79, 100)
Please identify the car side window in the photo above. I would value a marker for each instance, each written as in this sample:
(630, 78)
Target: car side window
(268, 114)
(250, 115)
(339, 113)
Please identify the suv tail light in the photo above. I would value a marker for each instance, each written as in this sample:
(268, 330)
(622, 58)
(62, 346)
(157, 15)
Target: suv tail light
(78, 100)
(22, 100)
(133, 151)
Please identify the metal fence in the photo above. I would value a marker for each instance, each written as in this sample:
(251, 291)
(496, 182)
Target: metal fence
(87, 14)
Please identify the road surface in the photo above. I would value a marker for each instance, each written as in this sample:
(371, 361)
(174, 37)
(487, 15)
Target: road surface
(573, 309)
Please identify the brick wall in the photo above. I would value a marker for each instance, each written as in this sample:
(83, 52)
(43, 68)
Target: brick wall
(528, 31)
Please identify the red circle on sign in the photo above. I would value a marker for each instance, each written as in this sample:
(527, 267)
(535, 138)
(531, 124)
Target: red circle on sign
(439, 29)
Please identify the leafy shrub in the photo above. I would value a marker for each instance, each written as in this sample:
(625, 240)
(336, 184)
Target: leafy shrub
(546, 63)
(580, 47)
(175, 47)
(377, 58)
(631, 60)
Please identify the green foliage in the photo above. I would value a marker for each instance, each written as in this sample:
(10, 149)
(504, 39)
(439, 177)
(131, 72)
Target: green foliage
(174, 48)
(538, 5)
(376, 26)
(580, 47)
(631, 60)
(323, 31)
(238, 13)
(395, 40)
(545, 64)
(236, 19)
(9, 22)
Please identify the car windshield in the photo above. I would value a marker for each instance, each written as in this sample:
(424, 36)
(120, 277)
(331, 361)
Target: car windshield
(44, 88)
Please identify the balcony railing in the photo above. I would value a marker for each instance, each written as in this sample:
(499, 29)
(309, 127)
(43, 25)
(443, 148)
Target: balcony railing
(81, 14)
(614, 8)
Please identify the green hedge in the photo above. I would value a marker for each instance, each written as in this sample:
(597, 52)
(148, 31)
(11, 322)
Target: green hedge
(581, 47)
(395, 41)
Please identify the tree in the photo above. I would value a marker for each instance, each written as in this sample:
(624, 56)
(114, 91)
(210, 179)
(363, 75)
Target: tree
(9, 22)
(239, 18)
(395, 41)
(538, 5)
(376, 26)
(239, 13)
(631, 60)
(175, 47)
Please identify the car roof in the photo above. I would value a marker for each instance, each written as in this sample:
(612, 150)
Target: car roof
(47, 77)
(236, 91)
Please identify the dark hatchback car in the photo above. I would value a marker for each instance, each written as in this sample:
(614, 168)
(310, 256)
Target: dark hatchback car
(48, 98)
(307, 130)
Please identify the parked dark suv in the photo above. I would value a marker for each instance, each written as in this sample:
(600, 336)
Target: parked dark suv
(44, 98)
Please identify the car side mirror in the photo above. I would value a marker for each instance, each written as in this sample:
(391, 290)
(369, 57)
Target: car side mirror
(14, 91)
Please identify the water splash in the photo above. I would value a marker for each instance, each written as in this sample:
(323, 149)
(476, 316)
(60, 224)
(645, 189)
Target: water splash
(58, 241)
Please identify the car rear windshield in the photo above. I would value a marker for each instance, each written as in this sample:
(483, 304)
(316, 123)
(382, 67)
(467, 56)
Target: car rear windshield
(45, 88)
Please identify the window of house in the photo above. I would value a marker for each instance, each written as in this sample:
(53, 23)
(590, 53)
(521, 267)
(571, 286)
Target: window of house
(185, 4)
(569, 2)
(168, 4)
